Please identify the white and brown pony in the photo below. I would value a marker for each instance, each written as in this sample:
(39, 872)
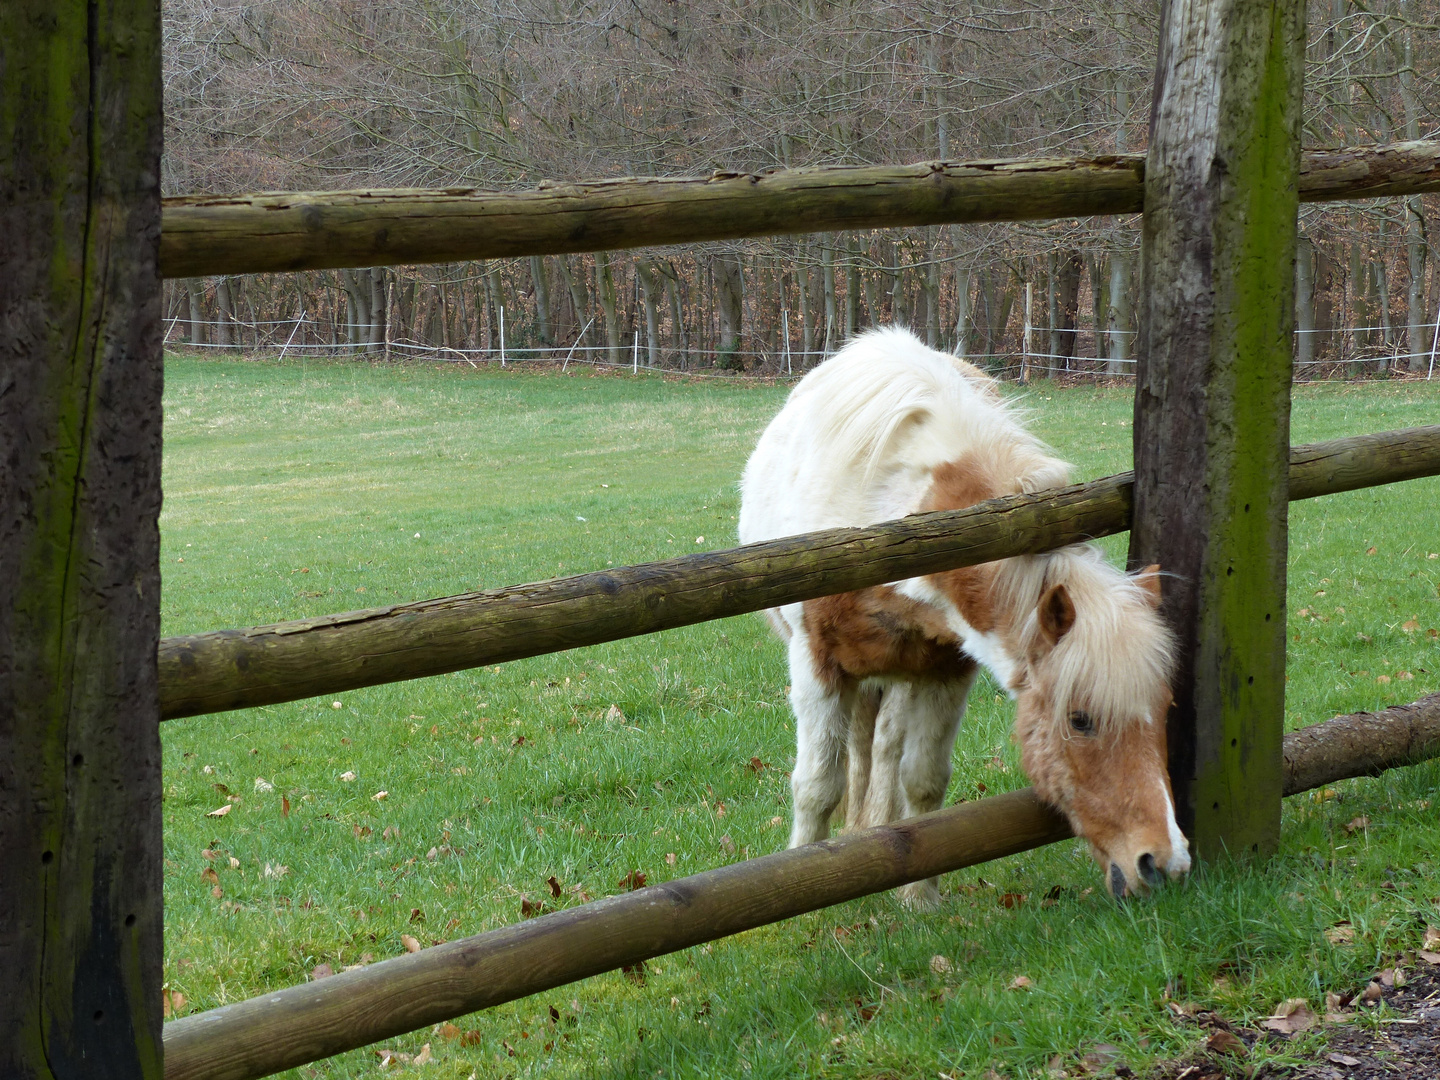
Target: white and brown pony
(879, 677)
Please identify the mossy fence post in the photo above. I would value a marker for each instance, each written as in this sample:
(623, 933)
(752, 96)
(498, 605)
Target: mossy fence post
(1212, 403)
(80, 383)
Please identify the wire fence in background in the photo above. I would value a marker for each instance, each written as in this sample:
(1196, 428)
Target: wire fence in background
(782, 362)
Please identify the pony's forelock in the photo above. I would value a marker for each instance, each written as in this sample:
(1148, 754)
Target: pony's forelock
(1118, 655)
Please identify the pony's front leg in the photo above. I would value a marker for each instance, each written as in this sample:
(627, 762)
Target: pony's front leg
(822, 721)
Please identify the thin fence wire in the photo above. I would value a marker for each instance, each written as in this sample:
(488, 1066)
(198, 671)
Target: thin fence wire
(781, 357)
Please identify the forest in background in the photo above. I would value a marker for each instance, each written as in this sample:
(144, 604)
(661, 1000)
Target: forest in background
(500, 94)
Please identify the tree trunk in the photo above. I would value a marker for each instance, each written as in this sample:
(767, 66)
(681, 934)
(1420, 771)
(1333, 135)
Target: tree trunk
(650, 294)
(1212, 403)
(575, 285)
(541, 281)
(679, 334)
(962, 312)
(356, 284)
(805, 288)
(1118, 320)
(730, 299)
(225, 313)
(1304, 305)
(379, 306)
(852, 289)
(827, 286)
(81, 376)
(195, 311)
(1067, 307)
(605, 286)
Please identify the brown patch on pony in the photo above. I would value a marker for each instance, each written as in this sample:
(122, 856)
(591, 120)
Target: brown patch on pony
(876, 632)
(958, 484)
(954, 486)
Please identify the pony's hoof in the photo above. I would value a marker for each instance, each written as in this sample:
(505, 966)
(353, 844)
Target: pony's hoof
(920, 895)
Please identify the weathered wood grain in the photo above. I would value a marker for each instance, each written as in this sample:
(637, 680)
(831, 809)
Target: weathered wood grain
(206, 234)
(291, 1027)
(1212, 398)
(80, 387)
(1362, 744)
(233, 669)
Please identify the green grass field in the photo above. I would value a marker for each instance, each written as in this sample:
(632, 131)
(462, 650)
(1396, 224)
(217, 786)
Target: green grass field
(310, 487)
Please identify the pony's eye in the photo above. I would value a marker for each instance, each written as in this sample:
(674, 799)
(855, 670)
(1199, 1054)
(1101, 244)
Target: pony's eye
(1082, 723)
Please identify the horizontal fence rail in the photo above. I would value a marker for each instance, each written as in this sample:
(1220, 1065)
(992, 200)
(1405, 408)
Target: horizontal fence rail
(203, 234)
(263, 665)
(291, 1027)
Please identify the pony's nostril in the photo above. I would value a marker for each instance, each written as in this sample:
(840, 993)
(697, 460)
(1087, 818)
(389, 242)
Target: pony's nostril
(1149, 871)
(1117, 881)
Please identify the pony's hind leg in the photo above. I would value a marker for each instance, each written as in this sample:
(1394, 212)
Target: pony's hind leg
(924, 768)
(859, 743)
(822, 721)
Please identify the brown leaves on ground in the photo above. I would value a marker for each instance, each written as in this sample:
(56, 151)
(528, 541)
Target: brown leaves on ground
(1013, 899)
(941, 965)
(1342, 933)
(222, 811)
(1020, 982)
(1354, 825)
(632, 881)
(1290, 1016)
(411, 945)
(757, 766)
(554, 884)
(1429, 950)
(1226, 1042)
(635, 972)
(174, 1001)
(530, 908)
(321, 971)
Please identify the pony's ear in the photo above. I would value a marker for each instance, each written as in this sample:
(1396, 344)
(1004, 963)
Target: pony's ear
(1056, 612)
(1149, 580)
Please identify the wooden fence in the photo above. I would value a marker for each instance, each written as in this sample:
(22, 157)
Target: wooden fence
(79, 432)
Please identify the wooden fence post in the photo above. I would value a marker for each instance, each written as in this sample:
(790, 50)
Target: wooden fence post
(80, 383)
(1212, 401)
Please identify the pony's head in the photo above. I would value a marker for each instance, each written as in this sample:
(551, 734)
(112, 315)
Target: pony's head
(1093, 690)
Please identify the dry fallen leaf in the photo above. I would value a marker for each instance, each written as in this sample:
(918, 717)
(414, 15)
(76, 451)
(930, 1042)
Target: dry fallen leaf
(1226, 1042)
(1290, 1016)
(411, 945)
(727, 845)
(423, 1057)
(284, 806)
(1432, 937)
(347, 776)
(632, 881)
(1355, 825)
(1372, 993)
(209, 876)
(1012, 899)
(669, 858)
(448, 1030)
(529, 909)
(1342, 933)
(217, 892)
(1410, 626)
(1020, 982)
(321, 971)
(222, 811)
(1343, 1059)
(262, 785)
(941, 965)
(380, 796)
(234, 863)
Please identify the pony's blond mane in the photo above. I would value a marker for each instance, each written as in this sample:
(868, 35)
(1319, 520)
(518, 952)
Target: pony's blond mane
(1119, 650)
(877, 418)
